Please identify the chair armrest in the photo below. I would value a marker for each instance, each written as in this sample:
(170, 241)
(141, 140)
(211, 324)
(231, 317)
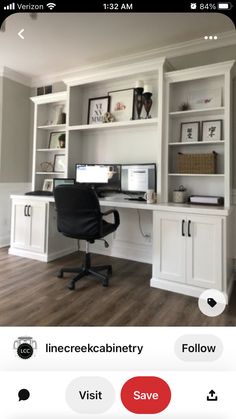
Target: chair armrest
(116, 215)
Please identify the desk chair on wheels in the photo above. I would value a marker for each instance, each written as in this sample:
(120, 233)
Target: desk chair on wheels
(79, 216)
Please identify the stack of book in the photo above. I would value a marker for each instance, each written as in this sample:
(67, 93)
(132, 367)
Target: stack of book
(208, 200)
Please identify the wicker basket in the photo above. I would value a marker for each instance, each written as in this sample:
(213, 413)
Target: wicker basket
(197, 163)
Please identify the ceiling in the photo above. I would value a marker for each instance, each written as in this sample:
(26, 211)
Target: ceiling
(57, 42)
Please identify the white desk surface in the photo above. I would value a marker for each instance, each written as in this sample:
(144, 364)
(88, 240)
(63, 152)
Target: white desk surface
(122, 203)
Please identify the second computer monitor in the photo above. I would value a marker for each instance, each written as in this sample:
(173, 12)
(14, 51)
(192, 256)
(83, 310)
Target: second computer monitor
(138, 177)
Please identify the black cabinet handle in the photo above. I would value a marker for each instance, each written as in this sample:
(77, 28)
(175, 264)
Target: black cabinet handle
(189, 232)
(29, 210)
(183, 222)
(25, 210)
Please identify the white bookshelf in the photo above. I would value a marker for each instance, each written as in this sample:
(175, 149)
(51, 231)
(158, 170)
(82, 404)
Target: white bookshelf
(46, 111)
(187, 86)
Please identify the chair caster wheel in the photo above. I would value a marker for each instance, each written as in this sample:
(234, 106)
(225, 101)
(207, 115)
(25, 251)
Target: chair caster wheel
(60, 275)
(71, 286)
(105, 283)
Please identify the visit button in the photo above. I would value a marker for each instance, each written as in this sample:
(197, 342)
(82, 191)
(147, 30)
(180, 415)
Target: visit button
(144, 395)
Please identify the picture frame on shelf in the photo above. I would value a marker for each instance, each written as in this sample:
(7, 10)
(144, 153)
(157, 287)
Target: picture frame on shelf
(54, 139)
(97, 107)
(48, 185)
(190, 132)
(122, 104)
(59, 164)
(207, 98)
(212, 130)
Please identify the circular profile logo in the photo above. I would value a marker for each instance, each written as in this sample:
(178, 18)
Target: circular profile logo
(25, 347)
(25, 351)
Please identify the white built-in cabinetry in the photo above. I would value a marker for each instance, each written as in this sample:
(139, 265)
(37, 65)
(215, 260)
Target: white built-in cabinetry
(207, 90)
(28, 225)
(190, 251)
(191, 244)
(47, 113)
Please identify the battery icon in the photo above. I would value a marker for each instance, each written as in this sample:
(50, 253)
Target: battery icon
(224, 6)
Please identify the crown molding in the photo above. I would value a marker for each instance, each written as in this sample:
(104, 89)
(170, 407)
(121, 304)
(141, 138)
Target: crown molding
(15, 76)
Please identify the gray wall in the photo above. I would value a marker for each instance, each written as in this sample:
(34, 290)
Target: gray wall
(1, 106)
(14, 151)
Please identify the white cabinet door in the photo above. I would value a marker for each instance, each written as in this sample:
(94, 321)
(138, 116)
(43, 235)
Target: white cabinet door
(170, 247)
(29, 225)
(20, 225)
(37, 217)
(204, 251)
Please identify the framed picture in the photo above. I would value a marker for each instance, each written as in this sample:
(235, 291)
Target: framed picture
(48, 185)
(55, 139)
(96, 108)
(59, 163)
(122, 104)
(212, 130)
(208, 98)
(189, 131)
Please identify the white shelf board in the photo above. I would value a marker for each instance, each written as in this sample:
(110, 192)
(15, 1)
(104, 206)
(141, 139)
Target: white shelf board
(51, 149)
(196, 174)
(179, 143)
(195, 112)
(57, 126)
(150, 121)
(49, 173)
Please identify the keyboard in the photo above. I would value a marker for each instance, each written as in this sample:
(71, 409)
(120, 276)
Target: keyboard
(40, 193)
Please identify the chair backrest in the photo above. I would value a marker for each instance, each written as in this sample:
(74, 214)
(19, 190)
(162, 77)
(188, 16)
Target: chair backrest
(78, 211)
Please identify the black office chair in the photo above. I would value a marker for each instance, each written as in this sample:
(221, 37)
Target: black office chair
(79, 216)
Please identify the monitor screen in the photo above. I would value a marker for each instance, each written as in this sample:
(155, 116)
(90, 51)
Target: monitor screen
(138, 177)
(62, 181)
(100, 176)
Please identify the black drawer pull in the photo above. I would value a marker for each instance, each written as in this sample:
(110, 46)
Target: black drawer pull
(189, 225)
(183, 222)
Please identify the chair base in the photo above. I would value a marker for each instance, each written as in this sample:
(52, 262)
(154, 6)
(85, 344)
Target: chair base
(86, 270)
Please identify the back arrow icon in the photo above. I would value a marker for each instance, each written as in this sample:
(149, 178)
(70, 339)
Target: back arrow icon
(20, 34)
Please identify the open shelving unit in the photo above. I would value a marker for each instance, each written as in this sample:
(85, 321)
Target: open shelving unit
(125, 141)
(46, 115)
(192, 86)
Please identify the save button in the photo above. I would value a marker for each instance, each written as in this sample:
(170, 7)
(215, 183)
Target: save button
(145, 395)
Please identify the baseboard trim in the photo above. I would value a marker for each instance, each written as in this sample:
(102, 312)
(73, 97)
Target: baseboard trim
(174, 287)
(41, 256)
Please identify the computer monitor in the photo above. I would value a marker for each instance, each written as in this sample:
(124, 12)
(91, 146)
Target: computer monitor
(62, 181)
(138, 178)
(99, 176)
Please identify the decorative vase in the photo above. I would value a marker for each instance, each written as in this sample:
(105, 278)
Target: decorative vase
(147, 103)
(139, 100)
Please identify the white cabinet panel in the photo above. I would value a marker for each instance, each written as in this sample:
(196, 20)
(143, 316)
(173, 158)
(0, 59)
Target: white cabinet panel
(29, 225)
(37, 229)
(204, 251)
(171, 247)
(20, 225)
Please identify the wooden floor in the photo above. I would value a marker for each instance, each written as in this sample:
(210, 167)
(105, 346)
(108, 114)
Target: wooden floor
(32, 295)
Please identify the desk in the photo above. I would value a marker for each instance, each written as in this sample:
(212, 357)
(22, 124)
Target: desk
(189, 242)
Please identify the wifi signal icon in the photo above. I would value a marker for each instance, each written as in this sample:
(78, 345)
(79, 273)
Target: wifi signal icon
(51, 5)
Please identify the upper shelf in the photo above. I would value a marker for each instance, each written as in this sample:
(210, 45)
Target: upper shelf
(181, 143)
(150, 121)
(58, 126)
(195, 112)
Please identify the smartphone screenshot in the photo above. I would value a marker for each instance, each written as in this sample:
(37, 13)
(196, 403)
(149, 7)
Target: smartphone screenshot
(117, 210)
